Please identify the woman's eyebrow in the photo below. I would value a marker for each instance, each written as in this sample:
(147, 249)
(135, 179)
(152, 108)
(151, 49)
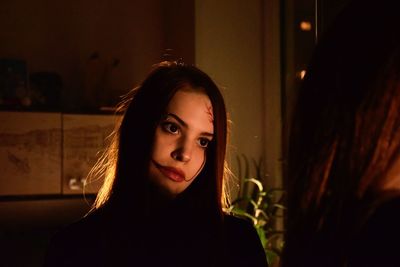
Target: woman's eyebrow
(207, 134)
(184, 124)
(176, 117)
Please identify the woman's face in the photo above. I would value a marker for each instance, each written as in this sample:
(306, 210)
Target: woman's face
(181, 140)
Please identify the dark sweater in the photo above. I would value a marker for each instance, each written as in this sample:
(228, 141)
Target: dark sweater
(172, 237)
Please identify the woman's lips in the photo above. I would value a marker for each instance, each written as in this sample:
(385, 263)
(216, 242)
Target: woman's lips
(172, 173)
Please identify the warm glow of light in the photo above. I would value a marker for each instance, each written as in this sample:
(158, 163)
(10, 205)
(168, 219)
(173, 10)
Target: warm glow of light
(305, 26)
(301, 74)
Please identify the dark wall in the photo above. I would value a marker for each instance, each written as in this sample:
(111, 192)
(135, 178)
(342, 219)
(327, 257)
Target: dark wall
(60, 37)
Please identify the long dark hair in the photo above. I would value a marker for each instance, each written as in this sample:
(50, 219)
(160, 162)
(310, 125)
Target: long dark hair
(124, 165)
(345, 134)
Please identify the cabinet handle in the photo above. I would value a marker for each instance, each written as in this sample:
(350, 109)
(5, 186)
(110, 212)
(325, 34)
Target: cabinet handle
(76, 183)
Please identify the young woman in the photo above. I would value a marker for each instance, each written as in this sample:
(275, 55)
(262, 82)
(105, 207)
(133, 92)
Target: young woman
(344, 164)
(163, 197)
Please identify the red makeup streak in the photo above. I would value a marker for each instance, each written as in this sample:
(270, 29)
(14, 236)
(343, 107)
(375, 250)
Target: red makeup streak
(210, 113)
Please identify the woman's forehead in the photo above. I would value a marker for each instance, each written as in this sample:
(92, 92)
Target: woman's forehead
(193, 107)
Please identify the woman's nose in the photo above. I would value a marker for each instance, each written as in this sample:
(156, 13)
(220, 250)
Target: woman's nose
(182, 153)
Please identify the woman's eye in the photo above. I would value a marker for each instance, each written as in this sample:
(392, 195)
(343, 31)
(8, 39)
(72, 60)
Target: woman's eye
(170, 127)
(203, 142)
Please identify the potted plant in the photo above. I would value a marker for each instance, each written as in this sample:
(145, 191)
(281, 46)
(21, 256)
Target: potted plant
(262, 206)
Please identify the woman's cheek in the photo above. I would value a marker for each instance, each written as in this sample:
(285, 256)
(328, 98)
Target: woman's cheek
(200, 158)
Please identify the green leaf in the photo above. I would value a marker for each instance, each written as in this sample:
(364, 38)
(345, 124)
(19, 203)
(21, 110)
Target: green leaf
(261, 235)
(261, 214)
(256, 182)
(240, 212)
(279, 206)
(262, 194)
(271, 256)
(254, 204)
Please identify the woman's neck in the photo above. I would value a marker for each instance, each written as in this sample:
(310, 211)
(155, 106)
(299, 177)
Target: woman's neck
(157, 201)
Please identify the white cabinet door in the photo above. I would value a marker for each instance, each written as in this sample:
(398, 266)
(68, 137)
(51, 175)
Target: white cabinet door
(84, 140)
(30, 153)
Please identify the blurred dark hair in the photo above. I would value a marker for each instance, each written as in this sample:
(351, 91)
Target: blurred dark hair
(345, 133)
(125, 163)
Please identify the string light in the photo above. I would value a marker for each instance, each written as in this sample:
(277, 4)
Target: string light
(305, 26)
